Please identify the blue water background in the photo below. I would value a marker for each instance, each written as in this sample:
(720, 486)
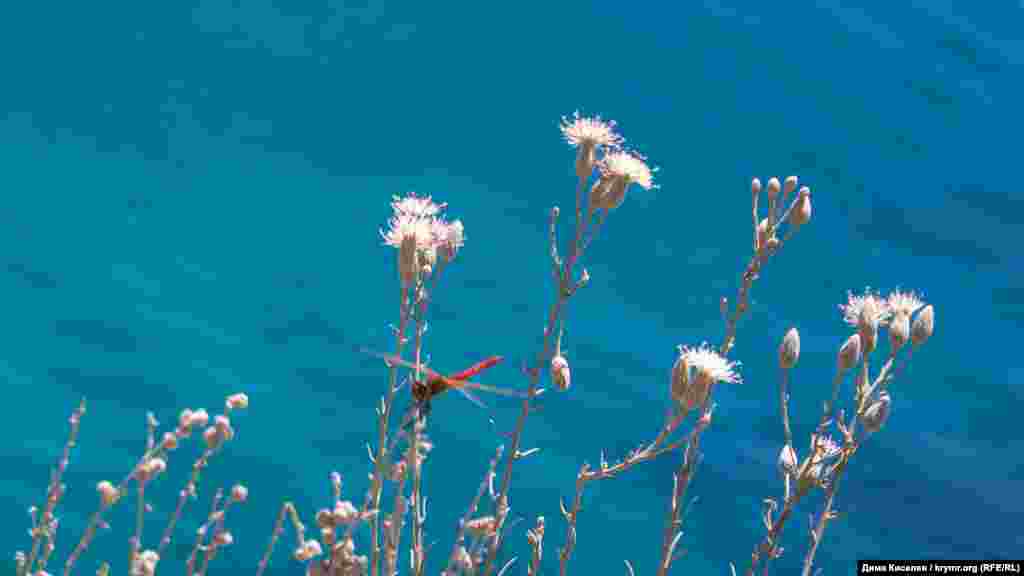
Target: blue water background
(192, 192)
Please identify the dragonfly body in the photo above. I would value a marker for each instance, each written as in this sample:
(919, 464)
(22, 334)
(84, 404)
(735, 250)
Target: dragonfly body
(435, 383)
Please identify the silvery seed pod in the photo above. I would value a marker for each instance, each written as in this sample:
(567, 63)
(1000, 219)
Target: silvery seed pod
(789, 350)
(877, 413)
(787, 462)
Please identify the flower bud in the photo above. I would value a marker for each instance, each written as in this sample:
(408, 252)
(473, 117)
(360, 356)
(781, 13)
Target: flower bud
(923, 326)
(239, 493)
(867, 325)
(899, 331)
(787, 462)
(170, 441)
(773, 188)
(789, 185)
(789, 350)
(762, 233)
(877, 413)
(801, 212)
(560, 374)
(108, 493)
(849, 354)
(679, 382)
(237, 401)
(755, 187)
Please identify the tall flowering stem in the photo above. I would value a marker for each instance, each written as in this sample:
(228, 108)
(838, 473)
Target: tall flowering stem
(618, 170)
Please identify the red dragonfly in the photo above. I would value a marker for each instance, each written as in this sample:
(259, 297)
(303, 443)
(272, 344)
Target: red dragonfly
(436, 383)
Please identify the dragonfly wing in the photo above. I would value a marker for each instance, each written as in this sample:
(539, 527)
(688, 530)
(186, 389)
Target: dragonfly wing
(471, 397)
(393, 360)
(460, 384)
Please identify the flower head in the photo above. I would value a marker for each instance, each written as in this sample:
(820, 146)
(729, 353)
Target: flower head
(904, 302)
(594, 132)
(878, 308)
(421, 235)
(628, 166)
(709, 365)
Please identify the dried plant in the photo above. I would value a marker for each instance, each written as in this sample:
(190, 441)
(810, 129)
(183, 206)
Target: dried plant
(426, 243)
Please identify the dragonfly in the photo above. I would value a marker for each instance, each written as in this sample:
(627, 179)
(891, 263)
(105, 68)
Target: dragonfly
(436, 383)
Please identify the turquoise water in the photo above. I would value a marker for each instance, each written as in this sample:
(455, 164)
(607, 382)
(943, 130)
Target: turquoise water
(191, 200)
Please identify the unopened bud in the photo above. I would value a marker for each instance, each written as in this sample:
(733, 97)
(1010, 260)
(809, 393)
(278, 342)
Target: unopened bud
(923, 326)
(762, 233)
(237, 401)
(773, 188)
(789, 350)
(849, 354)
(755, 187)
(239, 493)
(789, 185)
(170, 441)
(560, 373)
(787, 462)
(801, 212)
(867, 325)
(108, 493)
(899, 331)
(877, 413)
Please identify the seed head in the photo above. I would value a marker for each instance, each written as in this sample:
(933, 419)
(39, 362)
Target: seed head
(923, 326)
(789, 350)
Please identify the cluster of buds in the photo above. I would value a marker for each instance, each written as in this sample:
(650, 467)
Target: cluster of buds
(695, 371)
(423, 238)
(796, 215)
(219, 433)
(149, 469)
(189, 420)
(343, 514)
